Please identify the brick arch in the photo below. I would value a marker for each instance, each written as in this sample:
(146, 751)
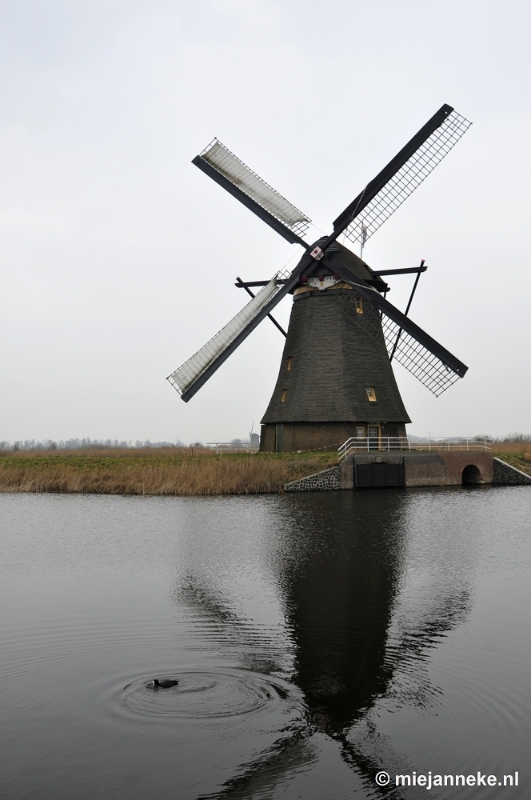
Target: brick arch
(471, 474)
(457, 461)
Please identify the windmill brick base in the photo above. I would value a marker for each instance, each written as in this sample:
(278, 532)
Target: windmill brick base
(293, 436)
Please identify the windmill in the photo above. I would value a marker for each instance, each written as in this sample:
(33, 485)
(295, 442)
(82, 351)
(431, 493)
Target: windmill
(335, 379)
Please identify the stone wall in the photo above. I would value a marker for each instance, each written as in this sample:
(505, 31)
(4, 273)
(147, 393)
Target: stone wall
(319, 482)
(422, 469)
(509, 476)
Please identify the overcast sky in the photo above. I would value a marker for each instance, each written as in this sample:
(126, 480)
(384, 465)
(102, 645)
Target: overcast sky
(118, 256)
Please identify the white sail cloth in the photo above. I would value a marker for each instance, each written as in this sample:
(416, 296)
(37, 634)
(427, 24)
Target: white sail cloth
(229, 165)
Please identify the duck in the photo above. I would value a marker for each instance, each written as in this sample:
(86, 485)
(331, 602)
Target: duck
(167, 683)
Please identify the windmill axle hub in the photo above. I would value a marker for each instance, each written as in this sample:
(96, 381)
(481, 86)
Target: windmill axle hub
(317, 253)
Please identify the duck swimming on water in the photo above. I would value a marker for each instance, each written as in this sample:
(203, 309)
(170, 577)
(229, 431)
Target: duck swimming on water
(167, 683)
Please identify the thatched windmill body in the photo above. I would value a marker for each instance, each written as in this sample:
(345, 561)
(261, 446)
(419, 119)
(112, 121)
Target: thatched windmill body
(335, 378)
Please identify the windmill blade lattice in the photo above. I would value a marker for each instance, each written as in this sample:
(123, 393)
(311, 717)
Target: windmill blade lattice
(421, 362)
(214, 352)
(417, 359)
(408, 178)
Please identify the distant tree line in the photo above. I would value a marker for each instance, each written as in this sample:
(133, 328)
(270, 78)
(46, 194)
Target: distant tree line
(86, 444)
(83, 444)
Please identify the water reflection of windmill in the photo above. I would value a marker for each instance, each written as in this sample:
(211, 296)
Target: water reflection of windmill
(335, 378)
(339, 591)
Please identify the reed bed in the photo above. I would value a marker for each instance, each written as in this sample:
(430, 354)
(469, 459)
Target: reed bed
(155, 473)
(518, 448)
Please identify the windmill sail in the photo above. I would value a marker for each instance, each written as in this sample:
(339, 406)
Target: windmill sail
(383, 195)
(426, 366)
(194, 372)
(225, 168)
(431, 363)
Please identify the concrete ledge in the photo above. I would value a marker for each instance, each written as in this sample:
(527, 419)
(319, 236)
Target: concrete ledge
(324, 481)
(506, 475)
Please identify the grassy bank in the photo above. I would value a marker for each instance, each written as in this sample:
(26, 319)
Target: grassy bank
(174, 471)
(155, 471)
(517, 454)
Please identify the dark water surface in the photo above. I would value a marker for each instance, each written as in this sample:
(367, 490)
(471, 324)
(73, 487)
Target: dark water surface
(316, 638)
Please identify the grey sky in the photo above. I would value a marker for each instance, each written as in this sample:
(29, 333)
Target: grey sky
(118, 256)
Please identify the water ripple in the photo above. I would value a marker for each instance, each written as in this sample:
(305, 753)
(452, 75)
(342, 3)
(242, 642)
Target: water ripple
(206, 695)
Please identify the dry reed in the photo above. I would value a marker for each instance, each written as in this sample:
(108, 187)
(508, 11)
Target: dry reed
(155, 473)
(516, 453)
(518, 448)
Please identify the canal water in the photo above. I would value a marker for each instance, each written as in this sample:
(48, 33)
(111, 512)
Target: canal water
(318, 640)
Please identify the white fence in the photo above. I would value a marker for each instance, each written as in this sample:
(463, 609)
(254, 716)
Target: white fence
(390, 443)
(235, 447)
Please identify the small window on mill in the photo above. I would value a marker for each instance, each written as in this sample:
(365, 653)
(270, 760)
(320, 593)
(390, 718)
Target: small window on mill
(371, 394)
(360, 433)
(359, 305)
(283, 396)
(290, 361)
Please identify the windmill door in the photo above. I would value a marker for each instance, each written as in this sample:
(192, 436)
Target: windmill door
(379, 475)
(279, 435)
(374, 437)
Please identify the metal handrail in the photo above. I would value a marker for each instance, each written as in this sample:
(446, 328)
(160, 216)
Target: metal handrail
(390, 443)
(243, 444)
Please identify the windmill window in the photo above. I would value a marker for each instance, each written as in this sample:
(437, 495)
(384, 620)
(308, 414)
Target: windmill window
(283, 397)
(360, 433)
(290, 361)
(359, 305)
(371, 394)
